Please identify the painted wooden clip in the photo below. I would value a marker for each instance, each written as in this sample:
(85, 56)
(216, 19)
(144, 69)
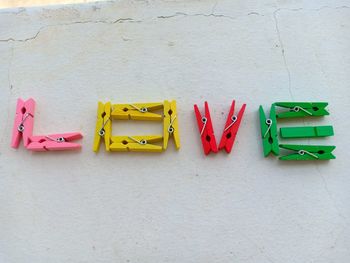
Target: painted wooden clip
(302, 109)
(206, 130)
(170, 124)
(24, 122)
(54, 142)
(137, 111)
(136, 143)
(307, 152)
(306, 132)
(269, 131)
(231, 128)
(103, 129)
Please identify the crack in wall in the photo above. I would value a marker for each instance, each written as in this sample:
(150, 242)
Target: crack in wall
(281, 44)
(340, 214)
(120, 20)
(312, 9)
(131, 20)
(214, 7)
(283, 53)
(10, 86)
(9, 67)
(198, 14)
(177, 14)
(19, 11)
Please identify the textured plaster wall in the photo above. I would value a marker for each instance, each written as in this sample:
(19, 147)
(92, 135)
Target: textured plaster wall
(26, 3)
(176, 206)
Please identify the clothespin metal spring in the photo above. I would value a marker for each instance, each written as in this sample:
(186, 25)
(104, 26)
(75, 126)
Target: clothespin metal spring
(143, 109)
(234, 119)
(21, 125)
(298, 108)
(171, 128)
(302, 152)
(204, 121)
(269, 124)
(141, 142)
(60, 139)
(102, 131)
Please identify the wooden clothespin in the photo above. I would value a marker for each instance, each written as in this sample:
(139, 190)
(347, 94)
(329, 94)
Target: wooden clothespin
(206, 130)
(54, 142)
(306, 132)
(307, 152)
(136, 143)
(170, 124)
(24, 122)
(231, 128)
(302, 109)
(137, 111)
(269, 131)
(103, 126)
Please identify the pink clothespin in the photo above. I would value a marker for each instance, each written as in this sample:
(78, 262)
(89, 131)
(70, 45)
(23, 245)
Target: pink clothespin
(24, 122)
(54, 142)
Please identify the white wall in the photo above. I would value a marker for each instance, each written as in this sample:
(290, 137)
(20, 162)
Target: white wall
(175, 206)
(27, 3)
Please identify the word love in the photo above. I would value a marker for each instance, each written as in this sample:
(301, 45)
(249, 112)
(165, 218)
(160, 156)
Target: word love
(165, 113)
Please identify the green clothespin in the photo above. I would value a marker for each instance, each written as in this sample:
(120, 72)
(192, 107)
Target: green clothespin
(302, 109)
(306, 132)
(308, 152)
(269, 131)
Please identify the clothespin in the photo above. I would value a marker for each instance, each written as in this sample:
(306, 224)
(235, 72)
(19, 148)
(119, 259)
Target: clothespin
(103, 126)
(171, 126)
(269, 131)
(54, 142)
(306, 132)
(137, 111)
(136, 143)
(231, 128)
(24, 122)
(206, 130)
(308, 152)
(302, 109)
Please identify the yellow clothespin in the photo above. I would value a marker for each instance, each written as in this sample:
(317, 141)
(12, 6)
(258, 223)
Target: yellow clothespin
(137, 111)
(171, 125)
(103, 126)
(136, 143)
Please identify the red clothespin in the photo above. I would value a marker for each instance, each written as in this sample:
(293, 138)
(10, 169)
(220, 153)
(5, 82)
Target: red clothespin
(231, 128)
(54, 142)
(206, 131)
(24, 122)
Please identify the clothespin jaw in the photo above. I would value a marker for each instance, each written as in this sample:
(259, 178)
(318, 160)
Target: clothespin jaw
(206, 130)
(231, 128)
(54, 142)
(308, 152)
(269, 131)
(24, 122)
(137, 111)
(103, 129)
(170, 124)
(302, 109)
(136, 143)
